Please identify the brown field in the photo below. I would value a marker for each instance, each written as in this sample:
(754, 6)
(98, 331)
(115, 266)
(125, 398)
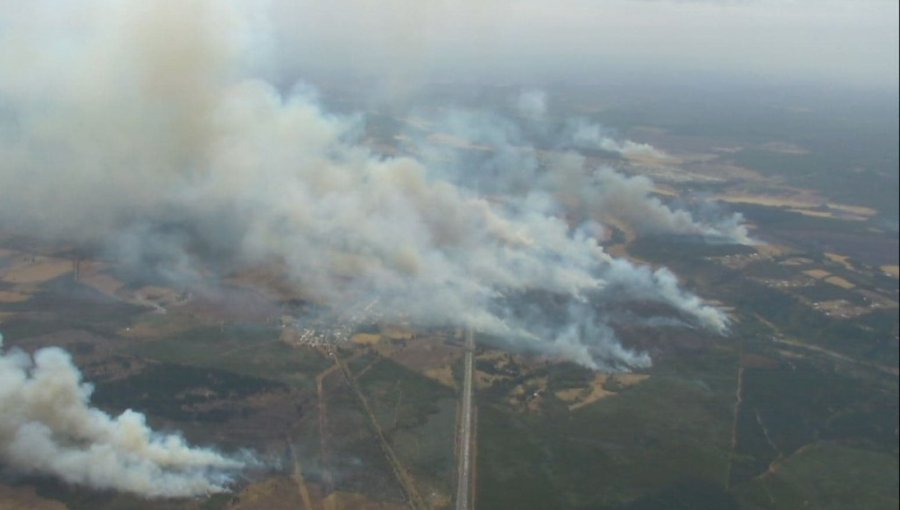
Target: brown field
(397, 332)
(803, 202)
(425, 356)
(662, 189)
(800, 200)
(22, 498)
(823, 214)
(354, 501)
(272, 494)
(840, 282)
(529, 395)
(443, 375)
(652, 159)
(366, 339)
(796, 261)
(39, 271)
(499, 359)
(891, 270)
(840, 259)
(840, 308)
(580, 397)
(854, 209)
(772, 250)
(818, 274)
(93, 275)
(12, 296)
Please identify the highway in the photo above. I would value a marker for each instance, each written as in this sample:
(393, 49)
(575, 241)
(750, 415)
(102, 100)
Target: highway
(464, 434)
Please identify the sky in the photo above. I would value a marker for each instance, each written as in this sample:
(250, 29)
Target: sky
(848, 43)
(407, 43)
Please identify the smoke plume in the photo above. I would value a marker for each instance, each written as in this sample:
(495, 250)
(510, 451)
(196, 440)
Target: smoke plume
(495, 156)
(591, 136)
(136, 127)
(47, 426)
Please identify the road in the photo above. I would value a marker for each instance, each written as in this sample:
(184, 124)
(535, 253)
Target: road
(464, 435)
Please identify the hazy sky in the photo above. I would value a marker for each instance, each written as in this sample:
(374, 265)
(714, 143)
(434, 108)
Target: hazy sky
(848, 42)
(408, 42)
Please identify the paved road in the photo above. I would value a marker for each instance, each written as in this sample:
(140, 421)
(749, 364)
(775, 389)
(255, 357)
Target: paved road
(464, 435)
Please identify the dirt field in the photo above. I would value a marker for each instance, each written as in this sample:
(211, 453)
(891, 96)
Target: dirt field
(15, 498)
(500, 360)
(818, 274)
(821, 214)
(443, 375)
(366, 339)
(891, 270)
(39, 271)
(7, 296)
(804, 203)
(272, 494)
(430, 357)
(580, 397)
(840, 282)
(840, 259)
(93, 275)
(801, 201)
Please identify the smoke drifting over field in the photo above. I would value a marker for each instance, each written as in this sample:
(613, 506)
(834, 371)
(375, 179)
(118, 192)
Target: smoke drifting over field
(48, 427)
(134, 126)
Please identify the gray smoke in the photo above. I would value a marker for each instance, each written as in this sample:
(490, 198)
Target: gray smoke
(47, 426)
(532, 104)
(134, 126)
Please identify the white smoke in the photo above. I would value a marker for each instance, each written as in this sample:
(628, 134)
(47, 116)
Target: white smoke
(143, 134)
(47, 426)
(605, 193)
(584, 134)
(506, 163)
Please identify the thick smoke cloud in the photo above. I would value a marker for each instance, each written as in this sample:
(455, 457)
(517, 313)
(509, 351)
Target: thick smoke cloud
(47, 426)
(497, 156)
(141, 134)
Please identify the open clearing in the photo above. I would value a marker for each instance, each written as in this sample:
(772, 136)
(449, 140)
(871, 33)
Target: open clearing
(803, 203)
(840, 259)
(93, 275)
(891, 270)
(840, 282)
(818, 274)
(39, 271)
(598, 389)
(7, 296)
(20, 498)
